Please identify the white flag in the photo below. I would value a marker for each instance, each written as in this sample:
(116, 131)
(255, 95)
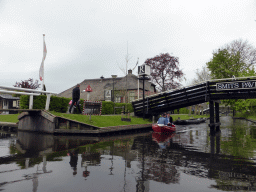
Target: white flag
(41, 71)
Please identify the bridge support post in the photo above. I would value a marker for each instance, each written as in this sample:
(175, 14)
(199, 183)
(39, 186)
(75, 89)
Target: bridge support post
(217, 116)
(217, 143)
(143, 97)
(214, 122)
(212, 140)
(212, 125)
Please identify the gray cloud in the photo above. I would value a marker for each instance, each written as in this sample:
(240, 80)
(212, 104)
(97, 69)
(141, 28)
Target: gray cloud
(87, 39)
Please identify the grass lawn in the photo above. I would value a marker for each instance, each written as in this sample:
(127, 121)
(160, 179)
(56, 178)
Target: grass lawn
(186, 116)
(251, 116)
(101, 121)
(13, 118)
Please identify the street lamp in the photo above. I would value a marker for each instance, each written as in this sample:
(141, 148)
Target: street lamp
(113, 97)
(144, 72)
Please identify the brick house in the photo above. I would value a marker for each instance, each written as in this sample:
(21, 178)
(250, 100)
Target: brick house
(9, 102)
(102, 88)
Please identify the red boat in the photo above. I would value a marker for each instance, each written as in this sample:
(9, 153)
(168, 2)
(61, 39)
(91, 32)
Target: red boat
(163, 128)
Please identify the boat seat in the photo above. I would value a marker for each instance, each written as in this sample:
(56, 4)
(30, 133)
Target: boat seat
(160, 125)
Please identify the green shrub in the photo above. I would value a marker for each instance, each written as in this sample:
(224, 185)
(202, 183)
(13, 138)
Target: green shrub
(107, 107)
(61, 104)
(127, 106)
(118, 108)
(39, 102)
(181, 111)
(24, 101)
(184, 111)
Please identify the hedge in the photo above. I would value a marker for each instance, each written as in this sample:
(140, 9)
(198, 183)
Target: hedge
(181, 111)
(61, 104)
(108, 107)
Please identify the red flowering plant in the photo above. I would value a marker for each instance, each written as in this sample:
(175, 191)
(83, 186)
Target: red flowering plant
(29, 84)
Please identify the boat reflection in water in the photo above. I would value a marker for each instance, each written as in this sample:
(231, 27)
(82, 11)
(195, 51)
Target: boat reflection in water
(189, 160)
(163, 139)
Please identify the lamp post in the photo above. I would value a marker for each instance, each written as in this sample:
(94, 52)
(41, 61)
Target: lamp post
(144, 72)
(113, 97)
(144, 77)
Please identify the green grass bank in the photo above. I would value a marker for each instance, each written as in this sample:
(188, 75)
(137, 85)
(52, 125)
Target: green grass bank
(251, 116)
(102, 121)
(12, 118)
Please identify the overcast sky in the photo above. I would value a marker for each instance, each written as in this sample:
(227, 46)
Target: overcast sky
(87, 39)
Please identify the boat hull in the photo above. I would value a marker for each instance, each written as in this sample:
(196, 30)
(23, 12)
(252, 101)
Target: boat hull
(190, 121)
(163, 129)
(162, 137)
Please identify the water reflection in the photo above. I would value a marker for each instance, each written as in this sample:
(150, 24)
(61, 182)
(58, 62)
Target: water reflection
(73, 160)
(137, 162)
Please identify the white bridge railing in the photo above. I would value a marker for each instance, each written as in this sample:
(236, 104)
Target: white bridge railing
(30, 92)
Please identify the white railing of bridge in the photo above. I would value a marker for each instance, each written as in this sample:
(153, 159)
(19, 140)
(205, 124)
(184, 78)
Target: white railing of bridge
(30, 92)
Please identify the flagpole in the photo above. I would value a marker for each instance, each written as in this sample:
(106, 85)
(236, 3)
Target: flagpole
(43, 68)
(41, 71)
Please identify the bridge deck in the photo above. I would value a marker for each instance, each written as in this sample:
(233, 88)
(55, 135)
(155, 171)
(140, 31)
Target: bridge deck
(241, 88)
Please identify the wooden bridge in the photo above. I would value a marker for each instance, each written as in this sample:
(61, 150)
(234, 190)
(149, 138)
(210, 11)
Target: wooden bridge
(209, 91)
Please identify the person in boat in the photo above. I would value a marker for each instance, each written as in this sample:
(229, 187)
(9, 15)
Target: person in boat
(162, 119)
(169, 119)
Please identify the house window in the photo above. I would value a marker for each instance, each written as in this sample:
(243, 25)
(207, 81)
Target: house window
(107, 95)
(16, 103)
(132, 96)
(5, 103)
(117, 99)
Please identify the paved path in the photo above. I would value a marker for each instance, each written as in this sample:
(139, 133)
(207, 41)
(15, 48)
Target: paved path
(9, 124)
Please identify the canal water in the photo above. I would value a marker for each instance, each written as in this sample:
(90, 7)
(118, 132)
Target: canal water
(189, 160)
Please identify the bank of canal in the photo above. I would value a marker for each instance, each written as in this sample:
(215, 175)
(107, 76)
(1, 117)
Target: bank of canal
(62, 123)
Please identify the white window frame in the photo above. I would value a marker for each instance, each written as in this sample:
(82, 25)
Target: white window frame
(132, 96)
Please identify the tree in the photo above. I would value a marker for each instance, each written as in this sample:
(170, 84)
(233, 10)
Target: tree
(29, 84)
(246, 50)
(165, 71)
(203, 75)
(225, 64)
(234, 59)
(125, 71)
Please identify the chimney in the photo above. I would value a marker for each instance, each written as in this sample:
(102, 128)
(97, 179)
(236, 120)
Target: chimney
(101, 78)
(129, 71)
